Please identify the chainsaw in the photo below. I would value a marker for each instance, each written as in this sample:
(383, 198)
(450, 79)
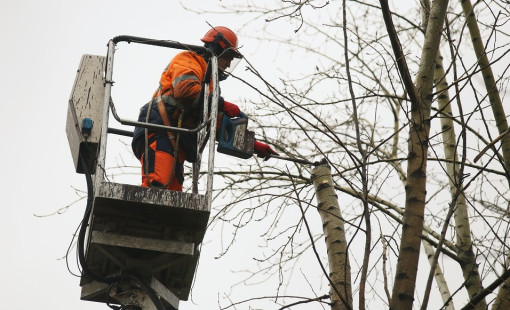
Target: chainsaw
(234, 137)
(236, 140)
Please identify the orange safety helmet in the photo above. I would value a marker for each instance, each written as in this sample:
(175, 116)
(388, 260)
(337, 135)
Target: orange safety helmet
(223, 40)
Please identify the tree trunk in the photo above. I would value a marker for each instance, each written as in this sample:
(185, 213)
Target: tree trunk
(462, 227)
(490, 82)
(439, 276)
(407, 266)
(503, 298)
(336, 244)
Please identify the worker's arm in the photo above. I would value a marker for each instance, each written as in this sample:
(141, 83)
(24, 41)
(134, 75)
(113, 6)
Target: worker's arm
(230, 109)
(182, 79)
(186, 82)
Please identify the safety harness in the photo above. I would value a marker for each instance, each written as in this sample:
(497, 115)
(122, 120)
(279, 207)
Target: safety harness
(174, 139)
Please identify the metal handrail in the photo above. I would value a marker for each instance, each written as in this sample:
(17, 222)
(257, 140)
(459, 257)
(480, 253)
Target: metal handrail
(162, 43)
(156, 126)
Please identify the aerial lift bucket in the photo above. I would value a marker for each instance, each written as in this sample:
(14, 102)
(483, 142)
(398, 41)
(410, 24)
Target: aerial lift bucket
(152, 233)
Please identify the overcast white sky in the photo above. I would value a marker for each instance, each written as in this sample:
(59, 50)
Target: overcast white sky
(42, 43)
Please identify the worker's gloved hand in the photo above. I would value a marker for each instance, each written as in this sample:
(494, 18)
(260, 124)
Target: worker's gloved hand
(263, 150)
(231, 109)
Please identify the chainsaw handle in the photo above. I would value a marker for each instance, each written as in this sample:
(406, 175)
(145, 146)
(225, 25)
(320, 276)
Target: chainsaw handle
(226, 130)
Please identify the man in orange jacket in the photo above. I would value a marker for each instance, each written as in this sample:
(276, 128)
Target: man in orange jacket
(177, 103)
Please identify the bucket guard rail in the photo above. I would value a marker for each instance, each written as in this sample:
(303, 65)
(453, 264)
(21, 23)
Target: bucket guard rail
(162, 43)
(157, 126)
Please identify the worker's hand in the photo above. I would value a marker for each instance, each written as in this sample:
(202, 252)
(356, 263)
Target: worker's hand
(231, 109)
(263, 150)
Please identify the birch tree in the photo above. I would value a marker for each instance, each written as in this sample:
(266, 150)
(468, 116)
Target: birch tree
(398, 80)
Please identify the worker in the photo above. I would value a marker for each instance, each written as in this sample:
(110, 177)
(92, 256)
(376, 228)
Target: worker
(177, 103)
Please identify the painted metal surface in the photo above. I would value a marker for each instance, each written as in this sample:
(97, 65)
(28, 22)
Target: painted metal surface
(86, 102)
(149, 244)
(212, 130)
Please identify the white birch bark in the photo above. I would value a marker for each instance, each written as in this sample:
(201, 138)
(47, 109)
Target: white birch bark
(407, 266)
(503, 298)
(334, 233)
(439, 276)
(462, 226)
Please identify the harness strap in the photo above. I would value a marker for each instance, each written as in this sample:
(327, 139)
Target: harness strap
(178, 153)
(166, 121)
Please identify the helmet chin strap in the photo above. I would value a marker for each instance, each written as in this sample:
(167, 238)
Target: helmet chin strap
(214, 47)
(222, 76)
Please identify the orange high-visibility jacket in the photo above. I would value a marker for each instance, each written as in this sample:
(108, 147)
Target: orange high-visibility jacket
(180, 83)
